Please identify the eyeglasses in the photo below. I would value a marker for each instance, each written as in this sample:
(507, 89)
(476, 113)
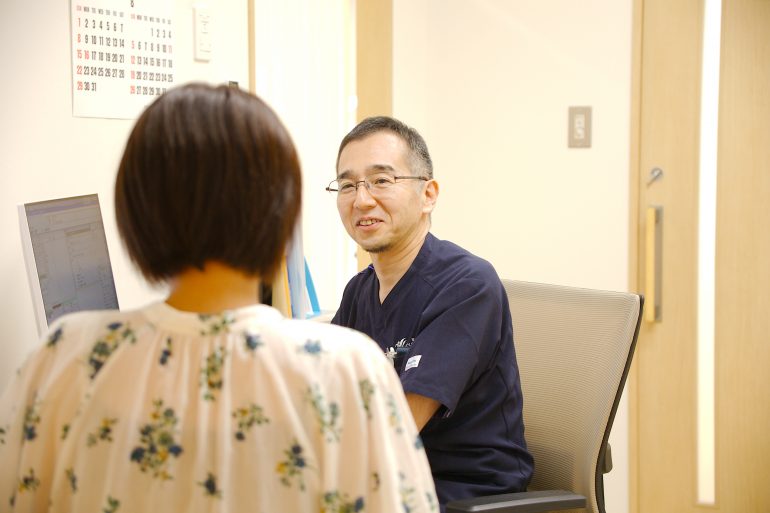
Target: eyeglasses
(375, 184)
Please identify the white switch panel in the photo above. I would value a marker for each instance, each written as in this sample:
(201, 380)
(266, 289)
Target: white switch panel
(579, 128)
(202, 33)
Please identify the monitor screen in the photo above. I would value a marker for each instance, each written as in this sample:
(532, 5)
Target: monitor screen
(67, 260)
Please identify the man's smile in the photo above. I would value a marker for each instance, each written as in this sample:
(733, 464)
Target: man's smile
(368, 221)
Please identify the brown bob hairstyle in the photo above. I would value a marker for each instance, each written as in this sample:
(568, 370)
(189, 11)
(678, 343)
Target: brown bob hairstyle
(208, 174)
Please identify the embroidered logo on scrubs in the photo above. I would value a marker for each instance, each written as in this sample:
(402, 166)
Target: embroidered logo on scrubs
(414, 361)
(398, 351)
(404, 344)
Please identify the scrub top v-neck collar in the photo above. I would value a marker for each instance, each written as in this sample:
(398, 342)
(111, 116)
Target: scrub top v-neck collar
(393, 299)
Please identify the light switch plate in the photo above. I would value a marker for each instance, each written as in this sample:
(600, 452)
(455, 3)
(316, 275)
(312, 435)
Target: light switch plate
(202, 33)
(579, 128)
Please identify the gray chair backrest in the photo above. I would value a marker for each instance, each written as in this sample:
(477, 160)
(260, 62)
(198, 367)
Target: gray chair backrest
(574, 348)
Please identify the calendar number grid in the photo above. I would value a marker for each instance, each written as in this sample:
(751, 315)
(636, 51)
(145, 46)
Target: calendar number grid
(122, 56)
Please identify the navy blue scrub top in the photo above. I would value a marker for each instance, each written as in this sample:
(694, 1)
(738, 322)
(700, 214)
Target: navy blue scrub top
(447, 324)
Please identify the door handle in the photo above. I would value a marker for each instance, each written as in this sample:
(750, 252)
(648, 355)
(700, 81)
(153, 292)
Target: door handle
(653, 264)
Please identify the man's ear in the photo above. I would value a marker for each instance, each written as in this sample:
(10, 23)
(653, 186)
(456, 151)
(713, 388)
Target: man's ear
(429, 196)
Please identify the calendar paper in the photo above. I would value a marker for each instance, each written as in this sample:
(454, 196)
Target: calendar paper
(122, 55)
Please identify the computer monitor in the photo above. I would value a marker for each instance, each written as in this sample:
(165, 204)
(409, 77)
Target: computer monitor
(65, 251)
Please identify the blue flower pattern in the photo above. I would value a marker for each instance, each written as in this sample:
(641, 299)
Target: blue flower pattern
(431, 500)
(54, 337)
(112, 505)
(72, 479)
(158, 443)
(395, 417)
(29, 482)
(326, 414)
(407, 494)
(292, 468)
(103, 432)
(167, 352)
(107, 344)
(211, 373)
(31, 421)
(216, 324)
(210, 486)
(366, 389)
(246, 418)
(252, 341)
(311, 347)
(336, 502)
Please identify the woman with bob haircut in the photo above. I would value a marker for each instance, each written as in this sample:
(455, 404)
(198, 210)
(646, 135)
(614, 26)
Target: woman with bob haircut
(208, 401)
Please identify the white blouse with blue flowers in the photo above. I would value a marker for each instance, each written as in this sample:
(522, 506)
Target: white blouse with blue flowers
(168, 411)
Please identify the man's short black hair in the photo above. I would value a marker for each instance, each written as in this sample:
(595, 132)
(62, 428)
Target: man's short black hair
(419, 157)
(208, 174)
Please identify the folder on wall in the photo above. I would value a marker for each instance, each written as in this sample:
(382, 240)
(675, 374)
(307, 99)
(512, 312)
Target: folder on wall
(293, 290)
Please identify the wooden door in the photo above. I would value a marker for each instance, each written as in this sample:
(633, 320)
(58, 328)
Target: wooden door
(664, 395)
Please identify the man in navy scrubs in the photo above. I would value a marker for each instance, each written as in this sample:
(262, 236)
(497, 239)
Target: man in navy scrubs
(440, 313)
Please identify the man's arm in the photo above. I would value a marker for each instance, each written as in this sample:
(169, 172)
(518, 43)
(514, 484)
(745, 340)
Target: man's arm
(454, 346)
(422, 408)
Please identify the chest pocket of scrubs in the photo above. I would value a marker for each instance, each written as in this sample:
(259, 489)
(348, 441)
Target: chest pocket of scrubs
(402, 349)
(400, 360)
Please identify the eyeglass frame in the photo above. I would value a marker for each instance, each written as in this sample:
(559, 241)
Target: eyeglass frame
(367, 186)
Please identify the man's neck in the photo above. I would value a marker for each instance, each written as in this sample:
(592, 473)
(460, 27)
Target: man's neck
(391, 265)
(215, 288)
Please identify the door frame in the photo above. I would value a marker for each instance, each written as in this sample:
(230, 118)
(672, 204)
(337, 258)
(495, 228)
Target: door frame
(634, 281)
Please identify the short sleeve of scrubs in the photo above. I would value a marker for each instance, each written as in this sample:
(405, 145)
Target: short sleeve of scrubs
(452, 347)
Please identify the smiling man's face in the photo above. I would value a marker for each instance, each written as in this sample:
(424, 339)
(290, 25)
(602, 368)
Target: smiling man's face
(390, 219)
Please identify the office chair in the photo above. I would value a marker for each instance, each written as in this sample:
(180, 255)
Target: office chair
(574, 348)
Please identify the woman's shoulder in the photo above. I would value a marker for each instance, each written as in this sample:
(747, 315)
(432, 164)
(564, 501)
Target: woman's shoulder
(81, 327)
(329, 340)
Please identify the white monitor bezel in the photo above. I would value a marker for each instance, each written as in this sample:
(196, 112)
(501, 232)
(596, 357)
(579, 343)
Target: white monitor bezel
(29, 259)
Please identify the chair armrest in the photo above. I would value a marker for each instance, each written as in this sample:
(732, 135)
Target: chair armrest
(523, 502)
(607, 459)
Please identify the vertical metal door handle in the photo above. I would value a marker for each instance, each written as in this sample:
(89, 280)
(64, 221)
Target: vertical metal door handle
(653, 263)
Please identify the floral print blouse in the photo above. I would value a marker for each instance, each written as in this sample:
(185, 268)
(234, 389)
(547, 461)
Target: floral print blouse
(169, 411)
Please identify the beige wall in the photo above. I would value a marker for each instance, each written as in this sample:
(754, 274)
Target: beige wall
(488, 84)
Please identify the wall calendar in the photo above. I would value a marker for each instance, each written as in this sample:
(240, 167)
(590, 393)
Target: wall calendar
(122, 55)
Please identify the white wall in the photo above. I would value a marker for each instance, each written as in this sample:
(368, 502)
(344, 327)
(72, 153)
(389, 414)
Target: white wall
(488, 84)
(304, 54)
(46, 153)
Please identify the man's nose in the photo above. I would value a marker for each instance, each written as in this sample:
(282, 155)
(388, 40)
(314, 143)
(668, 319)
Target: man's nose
(364, 198)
